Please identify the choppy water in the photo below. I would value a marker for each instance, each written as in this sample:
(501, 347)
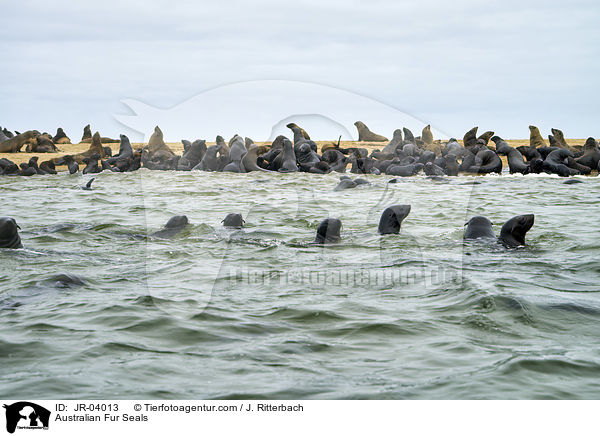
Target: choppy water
(262, 313)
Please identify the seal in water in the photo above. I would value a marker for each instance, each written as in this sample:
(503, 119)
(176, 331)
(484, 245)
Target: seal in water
(209, 162)
(88, 185)
(234, 220)
(514, 230)
(364, 134)
(175, 225)
(328, 231)
(9, 233)
(392, 217)
(479, 227)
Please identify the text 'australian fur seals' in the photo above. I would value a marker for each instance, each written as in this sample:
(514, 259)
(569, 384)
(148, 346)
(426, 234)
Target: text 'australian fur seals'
(391, 219)
(234, 221)
(328, 231)
(9, 233)
(175, 225)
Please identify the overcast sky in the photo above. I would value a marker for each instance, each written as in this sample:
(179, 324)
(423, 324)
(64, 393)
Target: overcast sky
(501, 65)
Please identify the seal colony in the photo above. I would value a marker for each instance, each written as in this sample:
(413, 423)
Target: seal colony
(404, 155)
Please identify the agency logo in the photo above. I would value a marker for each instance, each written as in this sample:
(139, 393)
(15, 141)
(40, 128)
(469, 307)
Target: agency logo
(24, 415)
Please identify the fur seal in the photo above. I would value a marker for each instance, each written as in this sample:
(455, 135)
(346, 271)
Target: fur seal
(391, 219)
(304, 134)
(175, 225)
(209, 161)
(48, 167)
(249, 161)
(515, 159)
(91, 164)
(88, 185)
(87, 133)
(328, 231)
(591, 154)
(535, 137)
(288, 162)
(125, 151)
(426, 135)
(234, 220)
(237, 150)
(364, 134)
(486, 161)
(394, 143)
(486, 136)
(9, 233)
(470, 138)
(346, 183)
(479, 227)
(555, 162)
(14, 144)
(192, 156)
(71, 164)
(61, 137)
(514, 230)
(431, 169)
(559, 137)
(157, 155)
(408, 135)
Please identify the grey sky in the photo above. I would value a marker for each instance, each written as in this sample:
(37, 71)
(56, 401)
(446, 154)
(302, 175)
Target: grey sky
(498, 64)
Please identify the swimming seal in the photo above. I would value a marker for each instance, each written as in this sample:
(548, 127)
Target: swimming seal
(391, 219)
(479, 227)
(175, 225)
(9, 233)
(535, 137)
(514, 230)
(364, 134)
(233, 220)
(328, 231)
(88, 185)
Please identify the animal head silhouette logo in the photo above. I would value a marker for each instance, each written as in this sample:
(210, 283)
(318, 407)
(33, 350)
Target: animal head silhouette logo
(26, 415)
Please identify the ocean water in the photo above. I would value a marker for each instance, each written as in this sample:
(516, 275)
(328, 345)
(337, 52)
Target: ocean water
(216, 313)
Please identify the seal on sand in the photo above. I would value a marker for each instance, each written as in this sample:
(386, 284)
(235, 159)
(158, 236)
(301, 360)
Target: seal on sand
(9, 233)
(479, 227)
(514, 230)
(486, 136)
(392, 217)
(288, 163)
(328, 231)
(364, 134)
(249, 160)
(61, 137)
(192, 156)
(304, 134)
(87, 133)
(14, 144)
(535, 137)
(175, 225)
(470, 138)
(426, 135)
(514, 157)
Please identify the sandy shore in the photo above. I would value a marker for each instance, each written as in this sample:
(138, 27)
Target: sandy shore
(177, 148)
